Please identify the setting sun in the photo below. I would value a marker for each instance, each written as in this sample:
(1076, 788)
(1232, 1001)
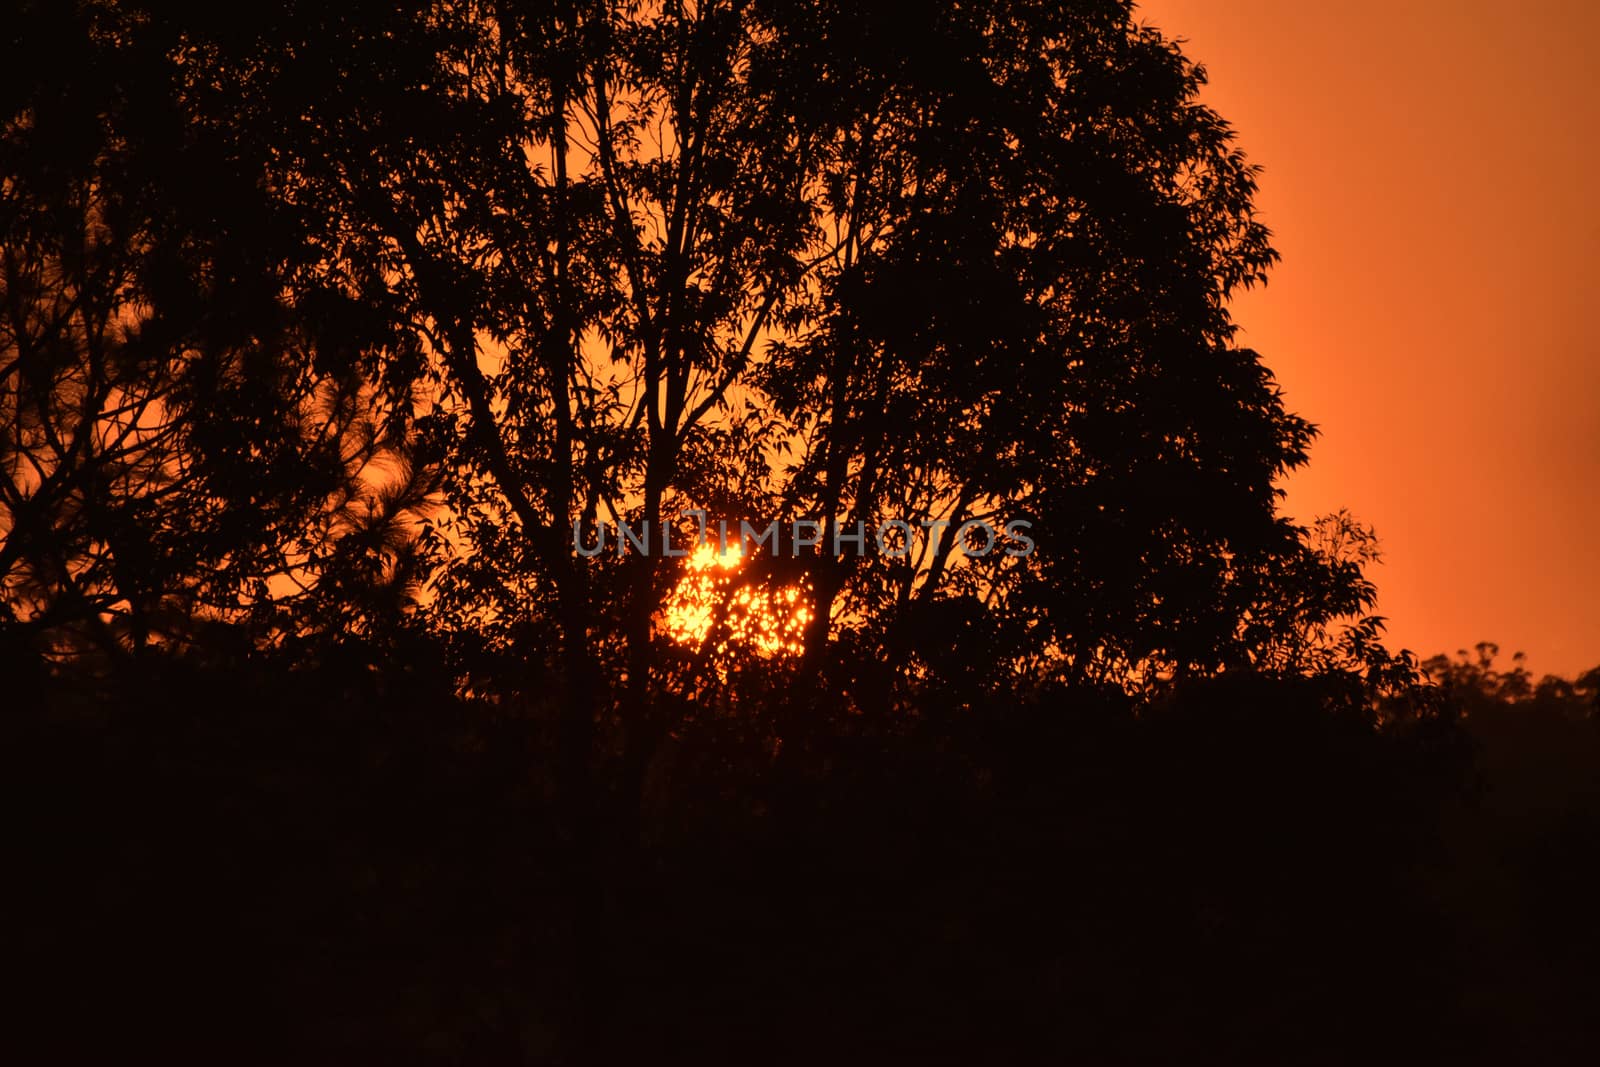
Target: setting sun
(712, 597)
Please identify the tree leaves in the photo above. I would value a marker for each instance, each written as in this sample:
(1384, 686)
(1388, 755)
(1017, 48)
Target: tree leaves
(592, 261)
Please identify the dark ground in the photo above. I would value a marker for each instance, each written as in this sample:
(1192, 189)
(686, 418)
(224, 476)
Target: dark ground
(278, 868)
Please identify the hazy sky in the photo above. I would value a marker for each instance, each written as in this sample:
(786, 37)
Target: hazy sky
(1432, 176)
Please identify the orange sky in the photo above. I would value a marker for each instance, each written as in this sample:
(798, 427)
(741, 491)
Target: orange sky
(1433, 181)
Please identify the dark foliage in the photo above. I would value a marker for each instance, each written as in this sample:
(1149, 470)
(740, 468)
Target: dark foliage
(330, 864)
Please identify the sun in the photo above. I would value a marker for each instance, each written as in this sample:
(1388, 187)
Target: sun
(769, 621)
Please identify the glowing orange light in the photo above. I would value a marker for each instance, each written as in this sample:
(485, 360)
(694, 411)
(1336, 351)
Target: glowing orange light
(769, 621)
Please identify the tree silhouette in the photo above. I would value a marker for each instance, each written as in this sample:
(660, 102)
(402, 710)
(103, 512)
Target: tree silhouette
(771, 260)
(183, 446)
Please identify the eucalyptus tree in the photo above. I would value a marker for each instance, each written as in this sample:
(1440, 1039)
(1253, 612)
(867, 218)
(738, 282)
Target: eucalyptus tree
(785, 260)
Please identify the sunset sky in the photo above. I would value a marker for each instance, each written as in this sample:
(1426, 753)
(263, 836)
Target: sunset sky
(1431, 178)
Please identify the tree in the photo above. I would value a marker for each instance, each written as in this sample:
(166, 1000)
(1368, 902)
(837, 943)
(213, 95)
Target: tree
(1476, 686)
(185, 443)
(771, 259)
